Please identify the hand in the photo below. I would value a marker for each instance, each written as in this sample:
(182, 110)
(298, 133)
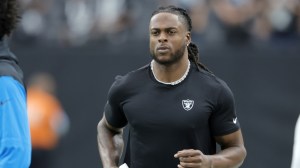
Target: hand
(190, 158)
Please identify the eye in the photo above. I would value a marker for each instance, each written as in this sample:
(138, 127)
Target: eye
(154, 32)
(172, 32)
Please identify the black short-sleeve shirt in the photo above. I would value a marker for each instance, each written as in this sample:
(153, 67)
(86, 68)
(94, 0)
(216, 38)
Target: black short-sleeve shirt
(164, 119)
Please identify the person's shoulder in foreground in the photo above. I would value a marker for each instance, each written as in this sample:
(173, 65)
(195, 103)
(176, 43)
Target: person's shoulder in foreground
(131, 79)
(15, 146)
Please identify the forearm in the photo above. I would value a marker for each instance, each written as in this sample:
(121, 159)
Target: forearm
(231, 157)
(110, 145)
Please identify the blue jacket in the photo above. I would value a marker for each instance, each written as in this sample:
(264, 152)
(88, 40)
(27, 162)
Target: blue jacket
(15, 145)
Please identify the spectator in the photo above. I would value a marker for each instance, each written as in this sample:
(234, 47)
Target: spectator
(278, 20)
(48, 121)
(235, 17)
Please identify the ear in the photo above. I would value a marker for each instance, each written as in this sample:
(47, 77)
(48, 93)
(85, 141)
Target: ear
(188, 38)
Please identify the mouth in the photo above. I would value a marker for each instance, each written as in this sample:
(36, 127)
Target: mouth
(163, 49)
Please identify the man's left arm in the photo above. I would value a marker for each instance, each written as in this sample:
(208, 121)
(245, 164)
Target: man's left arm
(233, 151)
(232, 154)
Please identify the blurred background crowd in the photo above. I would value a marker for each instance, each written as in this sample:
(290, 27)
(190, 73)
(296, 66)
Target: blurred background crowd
(77, 22)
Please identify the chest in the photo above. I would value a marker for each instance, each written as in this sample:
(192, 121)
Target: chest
(168, 108)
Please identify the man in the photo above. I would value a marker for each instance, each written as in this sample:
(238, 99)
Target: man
(176, 109)
(15, 147)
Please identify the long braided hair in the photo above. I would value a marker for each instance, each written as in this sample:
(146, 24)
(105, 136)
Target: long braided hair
(9, 16)
(193, 52)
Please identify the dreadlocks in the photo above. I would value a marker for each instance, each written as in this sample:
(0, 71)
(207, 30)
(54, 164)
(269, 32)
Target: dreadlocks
(193, 52)
(8, 16)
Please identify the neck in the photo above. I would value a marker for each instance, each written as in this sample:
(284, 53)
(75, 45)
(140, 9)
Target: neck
(170, 73)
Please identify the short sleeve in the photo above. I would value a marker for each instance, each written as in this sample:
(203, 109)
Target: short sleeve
(15, 146)
(224, 119)
(113, 111)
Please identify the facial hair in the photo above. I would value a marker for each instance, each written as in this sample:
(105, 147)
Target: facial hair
(173, 58)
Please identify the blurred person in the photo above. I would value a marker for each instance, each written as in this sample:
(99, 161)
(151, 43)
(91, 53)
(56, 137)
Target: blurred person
(283, 18)
(199, 12)
(113, 19)
(15, 147)
(204, 30)
(176, 109)
(43, 22)
(34, 23)
(236, 17)
(80, 20)
(207, 28)
(48, 121)
(296, 148)
(278, 20)
(197, 9)
(108, 13)
(261, 28)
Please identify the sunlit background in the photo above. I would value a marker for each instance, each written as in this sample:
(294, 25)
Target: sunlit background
(254, 45)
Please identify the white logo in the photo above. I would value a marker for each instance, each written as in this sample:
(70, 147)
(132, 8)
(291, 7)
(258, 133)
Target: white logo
(187, 104)
(234, 120)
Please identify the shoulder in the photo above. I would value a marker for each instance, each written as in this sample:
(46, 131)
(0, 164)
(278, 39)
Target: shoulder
(138, 73)
(211, 79)
(8, 84)
(131, 78)
(222, 90)
(11, 89)
(129, 82)
(213, 85)
(11, 68)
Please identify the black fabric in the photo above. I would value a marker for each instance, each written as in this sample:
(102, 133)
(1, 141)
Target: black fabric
(161, 121)
(9, 62)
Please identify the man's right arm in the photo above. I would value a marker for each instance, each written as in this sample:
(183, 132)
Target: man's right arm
(110, 143)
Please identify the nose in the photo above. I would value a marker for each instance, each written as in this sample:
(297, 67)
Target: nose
(162, 38)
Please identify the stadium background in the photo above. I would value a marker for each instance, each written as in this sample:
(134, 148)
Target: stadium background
(265, 81)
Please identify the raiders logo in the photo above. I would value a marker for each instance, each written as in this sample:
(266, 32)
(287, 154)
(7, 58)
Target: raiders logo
(187, 104)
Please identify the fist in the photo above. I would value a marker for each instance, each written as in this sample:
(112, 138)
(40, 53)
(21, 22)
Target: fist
(190, 158)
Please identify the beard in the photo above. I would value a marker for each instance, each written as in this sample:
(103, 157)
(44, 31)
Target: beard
(174, 57)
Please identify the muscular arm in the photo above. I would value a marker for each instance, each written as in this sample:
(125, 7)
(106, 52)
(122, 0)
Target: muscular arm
(233, 151)
(232, 154)
(110, 144)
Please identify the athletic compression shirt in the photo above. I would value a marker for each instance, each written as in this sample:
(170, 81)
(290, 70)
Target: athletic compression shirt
(164, 119)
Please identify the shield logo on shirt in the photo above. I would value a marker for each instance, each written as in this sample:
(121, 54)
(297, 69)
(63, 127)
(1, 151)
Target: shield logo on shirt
(187, 104)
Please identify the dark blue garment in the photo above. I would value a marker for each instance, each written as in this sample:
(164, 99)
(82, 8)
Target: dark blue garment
(15, 145)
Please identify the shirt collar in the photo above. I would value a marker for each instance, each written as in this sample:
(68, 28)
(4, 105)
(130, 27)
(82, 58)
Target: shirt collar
(5, 53)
